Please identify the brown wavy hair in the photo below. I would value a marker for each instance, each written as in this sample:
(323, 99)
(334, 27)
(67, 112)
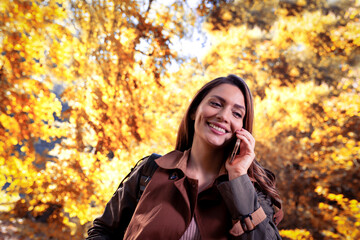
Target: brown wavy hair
(263, 177)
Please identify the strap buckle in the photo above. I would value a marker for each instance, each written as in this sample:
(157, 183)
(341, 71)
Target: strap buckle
(246, 223)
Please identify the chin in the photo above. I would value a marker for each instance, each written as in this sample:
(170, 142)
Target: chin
(219, 144)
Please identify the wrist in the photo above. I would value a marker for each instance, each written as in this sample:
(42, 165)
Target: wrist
(233, 175)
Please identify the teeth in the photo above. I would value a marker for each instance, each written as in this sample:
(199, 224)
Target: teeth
(217, 128)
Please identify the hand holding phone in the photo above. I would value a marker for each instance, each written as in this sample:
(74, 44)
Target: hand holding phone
(244, 159)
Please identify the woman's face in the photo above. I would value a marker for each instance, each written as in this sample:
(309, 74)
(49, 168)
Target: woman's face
(219, 115)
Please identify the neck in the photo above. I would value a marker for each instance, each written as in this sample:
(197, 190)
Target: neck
(205, 159)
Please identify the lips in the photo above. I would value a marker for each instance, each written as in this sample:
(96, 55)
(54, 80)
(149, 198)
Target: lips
(218, 127)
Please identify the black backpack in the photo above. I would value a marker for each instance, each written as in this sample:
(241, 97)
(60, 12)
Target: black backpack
(147, 171)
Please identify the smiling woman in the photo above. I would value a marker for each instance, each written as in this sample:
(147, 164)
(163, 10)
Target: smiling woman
(196, 192)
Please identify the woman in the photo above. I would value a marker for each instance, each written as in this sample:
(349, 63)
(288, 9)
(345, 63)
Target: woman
(197, 192)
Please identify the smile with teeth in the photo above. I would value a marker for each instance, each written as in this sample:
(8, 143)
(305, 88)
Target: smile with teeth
(217, 128)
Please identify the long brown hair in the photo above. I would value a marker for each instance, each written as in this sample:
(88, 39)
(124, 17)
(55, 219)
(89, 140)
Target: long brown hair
(263, 177)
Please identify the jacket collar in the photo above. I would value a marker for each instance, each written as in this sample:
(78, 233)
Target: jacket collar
(178, 160)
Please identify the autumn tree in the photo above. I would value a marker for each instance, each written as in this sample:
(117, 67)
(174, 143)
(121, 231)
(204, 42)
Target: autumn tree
(31, 35)
(90, 78)
(108, 59)
(301, 60)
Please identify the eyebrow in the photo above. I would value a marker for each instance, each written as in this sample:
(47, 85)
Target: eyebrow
(223, 100)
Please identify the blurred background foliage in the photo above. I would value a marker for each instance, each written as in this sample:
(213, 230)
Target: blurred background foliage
(89, 87)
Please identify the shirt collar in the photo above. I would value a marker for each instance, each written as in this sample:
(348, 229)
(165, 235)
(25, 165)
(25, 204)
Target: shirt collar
(178, 160)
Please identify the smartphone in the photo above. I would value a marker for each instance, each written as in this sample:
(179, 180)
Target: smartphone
(233, 154)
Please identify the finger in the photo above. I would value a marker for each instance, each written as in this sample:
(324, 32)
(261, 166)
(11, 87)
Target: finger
(243, 131)
(247, 138)
(248, 135)
(246, 145)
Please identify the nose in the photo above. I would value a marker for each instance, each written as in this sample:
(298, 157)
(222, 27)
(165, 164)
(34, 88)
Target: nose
(223, 115)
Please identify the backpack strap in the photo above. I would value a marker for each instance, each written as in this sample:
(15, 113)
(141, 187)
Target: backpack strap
(147, 171)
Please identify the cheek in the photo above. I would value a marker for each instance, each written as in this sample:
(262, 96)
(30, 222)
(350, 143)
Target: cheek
(202, 112)
(238, 125)
(209, 111)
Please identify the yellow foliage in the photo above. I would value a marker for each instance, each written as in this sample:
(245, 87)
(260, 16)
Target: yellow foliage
(123, 106)
(7, 202)
(346, 223)
(296, 234)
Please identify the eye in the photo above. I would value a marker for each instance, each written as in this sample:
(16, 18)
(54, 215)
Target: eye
(237, 115)
(215, 104)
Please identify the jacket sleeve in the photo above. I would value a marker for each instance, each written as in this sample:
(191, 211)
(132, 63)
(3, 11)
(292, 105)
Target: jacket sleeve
(243, 199)
(113, 222)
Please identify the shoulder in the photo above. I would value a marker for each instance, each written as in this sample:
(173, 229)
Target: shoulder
(170, 160)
